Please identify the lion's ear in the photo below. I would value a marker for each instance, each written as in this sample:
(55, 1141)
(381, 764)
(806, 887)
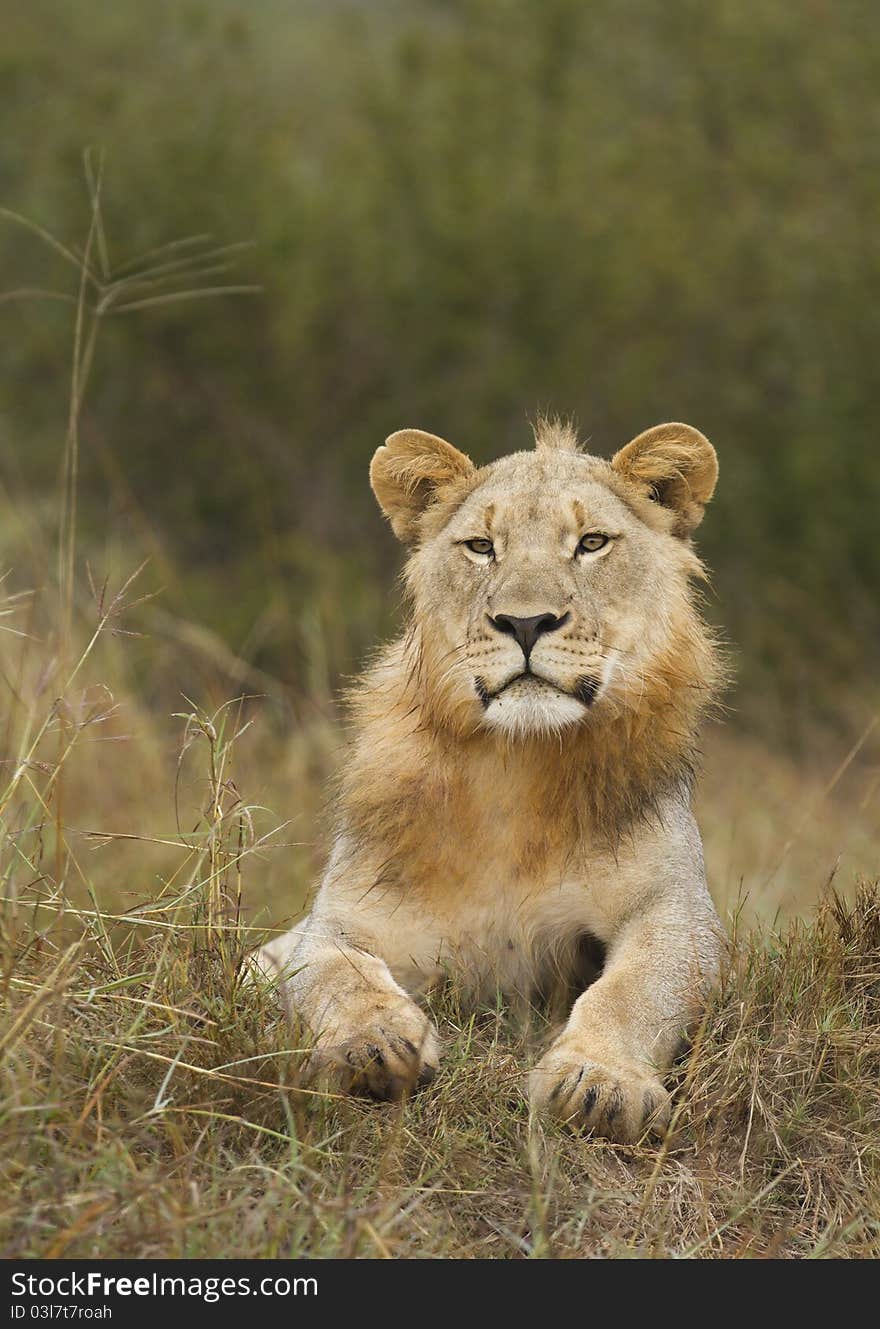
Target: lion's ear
(676, 466)
(408, 472)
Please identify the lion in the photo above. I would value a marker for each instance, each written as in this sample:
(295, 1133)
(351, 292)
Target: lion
(519, 778)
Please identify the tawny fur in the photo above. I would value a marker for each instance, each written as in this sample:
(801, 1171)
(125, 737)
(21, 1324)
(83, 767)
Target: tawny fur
(488, 816)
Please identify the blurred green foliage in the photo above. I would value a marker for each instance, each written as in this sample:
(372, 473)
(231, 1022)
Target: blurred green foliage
(463, 212)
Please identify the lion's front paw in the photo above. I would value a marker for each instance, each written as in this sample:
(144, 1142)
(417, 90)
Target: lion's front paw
(387, 1059)
(620, 1100)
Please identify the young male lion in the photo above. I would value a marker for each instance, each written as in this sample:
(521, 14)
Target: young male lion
(520, 773)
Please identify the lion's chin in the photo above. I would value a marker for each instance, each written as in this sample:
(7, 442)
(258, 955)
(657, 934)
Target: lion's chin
(529, 708)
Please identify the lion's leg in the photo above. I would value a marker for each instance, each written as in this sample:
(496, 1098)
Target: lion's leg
(369, 1034)
(603, 1071)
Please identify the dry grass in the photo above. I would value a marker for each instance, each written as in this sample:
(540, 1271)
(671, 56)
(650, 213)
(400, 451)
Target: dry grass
(151, 1108)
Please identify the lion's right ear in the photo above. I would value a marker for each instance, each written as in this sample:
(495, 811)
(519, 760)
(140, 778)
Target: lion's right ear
(409, 472)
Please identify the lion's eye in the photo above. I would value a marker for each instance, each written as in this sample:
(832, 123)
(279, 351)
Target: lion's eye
(480, 546)
(590, 543)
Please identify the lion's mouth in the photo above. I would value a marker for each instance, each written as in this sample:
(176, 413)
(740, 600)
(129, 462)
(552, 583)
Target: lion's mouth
(585, 690)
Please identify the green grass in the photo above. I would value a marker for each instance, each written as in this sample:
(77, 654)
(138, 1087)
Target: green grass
(152, 1107)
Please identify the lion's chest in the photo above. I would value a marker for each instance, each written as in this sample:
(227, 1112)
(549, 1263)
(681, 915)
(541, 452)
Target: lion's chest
(495, 897)
(488, 875)
(502, 932)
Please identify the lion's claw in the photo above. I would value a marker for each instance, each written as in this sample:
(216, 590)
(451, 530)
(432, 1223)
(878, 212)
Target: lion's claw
(620, 1101)
(380, 1061)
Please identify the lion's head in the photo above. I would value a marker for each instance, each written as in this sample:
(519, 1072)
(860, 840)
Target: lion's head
(549, 587)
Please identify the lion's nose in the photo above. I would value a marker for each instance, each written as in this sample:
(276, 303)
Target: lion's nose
(527, 630)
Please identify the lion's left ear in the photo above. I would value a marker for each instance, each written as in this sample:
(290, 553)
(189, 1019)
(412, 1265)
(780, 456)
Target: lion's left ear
(676, 466)
(408, 472)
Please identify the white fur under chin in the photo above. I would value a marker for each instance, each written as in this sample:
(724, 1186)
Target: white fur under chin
(529, 709)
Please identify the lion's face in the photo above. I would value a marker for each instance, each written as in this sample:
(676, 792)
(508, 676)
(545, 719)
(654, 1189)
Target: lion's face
(546, 583)
(544, 588)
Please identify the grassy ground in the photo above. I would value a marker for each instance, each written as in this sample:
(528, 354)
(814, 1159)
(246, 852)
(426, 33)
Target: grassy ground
(151, 1108)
